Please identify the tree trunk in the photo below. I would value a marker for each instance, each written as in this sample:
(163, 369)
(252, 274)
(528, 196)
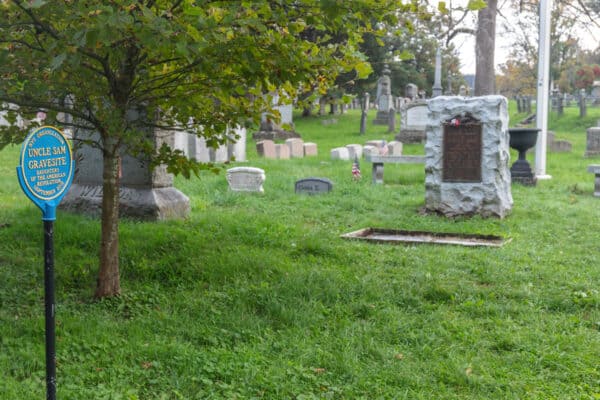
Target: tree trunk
(485, 41)
(108, 277)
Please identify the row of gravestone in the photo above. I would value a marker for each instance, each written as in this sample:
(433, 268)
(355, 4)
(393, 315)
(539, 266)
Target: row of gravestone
(291, 148)
(251, 179)
(352, 151)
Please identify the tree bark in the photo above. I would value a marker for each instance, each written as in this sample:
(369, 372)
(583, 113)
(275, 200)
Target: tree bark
(485, 41)
(108, 276)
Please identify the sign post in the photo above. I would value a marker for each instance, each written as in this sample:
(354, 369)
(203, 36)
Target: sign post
(45, 174)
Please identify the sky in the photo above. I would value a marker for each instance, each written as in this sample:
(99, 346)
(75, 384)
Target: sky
(466, 43)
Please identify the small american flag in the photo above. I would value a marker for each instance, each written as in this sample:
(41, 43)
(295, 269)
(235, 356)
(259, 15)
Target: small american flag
(356, 169)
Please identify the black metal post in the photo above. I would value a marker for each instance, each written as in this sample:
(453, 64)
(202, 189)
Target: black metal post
(49, 306)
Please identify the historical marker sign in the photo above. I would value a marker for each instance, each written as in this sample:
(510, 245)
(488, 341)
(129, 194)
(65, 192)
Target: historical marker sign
(46, 168)
(462, 151)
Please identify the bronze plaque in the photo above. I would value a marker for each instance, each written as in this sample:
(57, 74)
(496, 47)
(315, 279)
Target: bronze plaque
(462, 152)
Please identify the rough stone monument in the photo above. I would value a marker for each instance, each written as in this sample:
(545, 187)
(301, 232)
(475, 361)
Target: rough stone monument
(467, 157)
(384, 98)
(144, 193)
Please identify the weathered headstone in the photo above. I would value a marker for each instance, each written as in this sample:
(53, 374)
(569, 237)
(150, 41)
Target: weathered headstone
(144, 193)
(384, 98)
(411, 91)
(394, 148)
(392, 120)
(354, 150)
(413, 121)
(313, 186)
(592, 144)
(282, 151)
(246, 179)
(296, 147)
(266, 149)
(310, 149)
(467, 156)
(339, 153)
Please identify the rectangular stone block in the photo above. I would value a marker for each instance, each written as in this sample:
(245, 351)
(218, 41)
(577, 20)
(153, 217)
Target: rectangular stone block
(394, 148)
(339, 153)
(282, 152)
(296, 147)
(592, 147)
(310, 149)
(266, 149)
(377, 143)
(354, 150)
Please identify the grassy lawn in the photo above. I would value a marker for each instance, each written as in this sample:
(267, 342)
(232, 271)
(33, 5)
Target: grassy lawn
(256, 296)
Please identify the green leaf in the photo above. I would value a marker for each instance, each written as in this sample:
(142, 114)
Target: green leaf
(57, 61)
(475, 5)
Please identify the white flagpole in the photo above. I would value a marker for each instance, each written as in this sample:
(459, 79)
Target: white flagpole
(542, 89)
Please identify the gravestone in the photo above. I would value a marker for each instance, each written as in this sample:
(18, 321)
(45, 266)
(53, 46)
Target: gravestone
(592, 144)
(413, 121)
(557, 146)
(266, 149)
(467, 156)
(354, 150)
(462, 90)
(144, 193)
(384, 98)
(282, 151)
(339, 153)
(596, 92)
(310, 149)
(394, 148)
(195, 147)
(519, 100)
(411, 91)
(271, 130)
(296, 147)
(313, 186)
(363, 114)
(246, 179)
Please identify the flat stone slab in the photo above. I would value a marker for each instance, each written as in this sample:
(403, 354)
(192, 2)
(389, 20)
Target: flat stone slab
(393, 236)
(594, 168)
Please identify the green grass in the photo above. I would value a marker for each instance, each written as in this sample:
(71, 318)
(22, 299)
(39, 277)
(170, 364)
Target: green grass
(256, 296)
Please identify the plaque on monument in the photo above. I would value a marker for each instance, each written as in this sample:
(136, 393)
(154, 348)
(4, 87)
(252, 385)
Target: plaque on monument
(462, 150)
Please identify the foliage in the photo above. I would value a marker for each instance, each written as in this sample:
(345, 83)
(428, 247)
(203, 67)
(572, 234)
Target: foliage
(586, 75)
(517, 78)
(124, 68)
(256, 296)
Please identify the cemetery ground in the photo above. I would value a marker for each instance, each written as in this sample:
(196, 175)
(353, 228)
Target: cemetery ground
(256, 296)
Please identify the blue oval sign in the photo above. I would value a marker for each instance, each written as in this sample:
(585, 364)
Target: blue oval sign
(46, 163)
(46, 168)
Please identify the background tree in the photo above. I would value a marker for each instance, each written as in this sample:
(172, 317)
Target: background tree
(197, 66)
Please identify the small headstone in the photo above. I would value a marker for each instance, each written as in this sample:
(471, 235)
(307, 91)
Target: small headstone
(266, 149)
(592, 145)
(296, 147)
(313, 186)
(582, 105)
(282, 151)
(392, 120)
(394, 148)
(369, 149)
(339, 153)
(354, 150)
(376, 143)
(246, 179)
(310, 149)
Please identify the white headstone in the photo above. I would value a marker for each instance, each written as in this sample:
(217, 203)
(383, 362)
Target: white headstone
(339, 153)
(246, 179)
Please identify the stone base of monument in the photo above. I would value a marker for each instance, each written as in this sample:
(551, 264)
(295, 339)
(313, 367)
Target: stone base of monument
(382, 118)
(277, 134)
(411, 136)
(149, 204)
(521, 172)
